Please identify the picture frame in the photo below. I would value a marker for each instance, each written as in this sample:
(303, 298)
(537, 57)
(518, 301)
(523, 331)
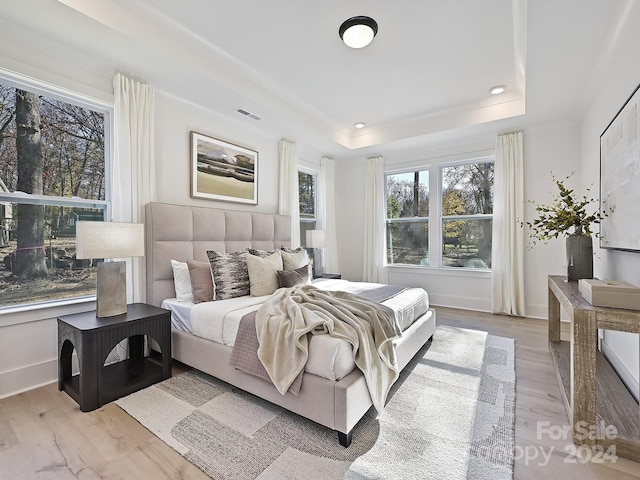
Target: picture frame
(223, 171)
(620, 178)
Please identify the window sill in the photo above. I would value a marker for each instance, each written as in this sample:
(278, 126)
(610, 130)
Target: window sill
(44, 311)
(441, 271)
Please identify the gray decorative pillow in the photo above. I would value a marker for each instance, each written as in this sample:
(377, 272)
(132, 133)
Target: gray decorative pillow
(261, 253)
(262, 273)
(201, 281)
(291, 250)
(230, 274)
(293, 278)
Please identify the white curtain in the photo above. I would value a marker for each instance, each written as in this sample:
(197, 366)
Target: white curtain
(328, 214)
(374, 226)
(507, 258)
(288, 198)
(134, 178)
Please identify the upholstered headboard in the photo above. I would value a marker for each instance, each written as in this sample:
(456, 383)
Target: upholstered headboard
(181, 232)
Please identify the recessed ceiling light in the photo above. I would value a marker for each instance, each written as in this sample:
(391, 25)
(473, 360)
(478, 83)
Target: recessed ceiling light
(358, 32)
(497, 89)
(359, 124)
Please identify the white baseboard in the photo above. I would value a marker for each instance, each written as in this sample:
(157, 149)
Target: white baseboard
(623, 372)
(464, 303)
(23, 379)
(537, 311)
(13, 382)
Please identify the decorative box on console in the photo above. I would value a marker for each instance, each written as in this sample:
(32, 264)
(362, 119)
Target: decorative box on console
(608, 293)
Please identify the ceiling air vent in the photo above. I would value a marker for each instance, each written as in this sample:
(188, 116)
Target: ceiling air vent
(242, 111)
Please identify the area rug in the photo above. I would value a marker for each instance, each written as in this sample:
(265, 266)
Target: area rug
(449, 416)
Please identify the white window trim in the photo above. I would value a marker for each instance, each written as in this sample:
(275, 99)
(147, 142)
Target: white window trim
(428, 219)
(435, 214)
(317, 194)
(18, 80)
(20, 197)
(10, 315)
(440, 217)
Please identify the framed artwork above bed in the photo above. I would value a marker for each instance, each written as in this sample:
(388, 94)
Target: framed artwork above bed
(223, 171)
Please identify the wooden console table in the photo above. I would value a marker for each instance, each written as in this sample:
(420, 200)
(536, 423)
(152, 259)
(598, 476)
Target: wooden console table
(594, 395)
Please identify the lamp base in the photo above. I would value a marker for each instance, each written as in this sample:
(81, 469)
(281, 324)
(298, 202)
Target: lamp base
(317, 263)
(111, 294)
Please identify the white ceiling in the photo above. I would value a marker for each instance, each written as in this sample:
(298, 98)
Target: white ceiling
(427, 72)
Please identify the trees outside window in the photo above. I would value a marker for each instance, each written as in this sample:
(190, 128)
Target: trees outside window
(462, 210)
(307, 184)
(52, 174)
(467, 211)
(408, 218)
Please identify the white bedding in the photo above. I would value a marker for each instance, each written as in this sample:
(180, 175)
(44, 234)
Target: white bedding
(329, 357)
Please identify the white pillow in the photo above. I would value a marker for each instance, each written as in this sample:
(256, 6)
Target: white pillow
(263, 273)
(293, 259)
(182, 281)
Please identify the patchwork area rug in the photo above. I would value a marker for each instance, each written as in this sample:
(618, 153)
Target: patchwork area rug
(449, 416)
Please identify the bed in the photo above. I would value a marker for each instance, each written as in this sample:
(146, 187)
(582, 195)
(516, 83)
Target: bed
(176, 232)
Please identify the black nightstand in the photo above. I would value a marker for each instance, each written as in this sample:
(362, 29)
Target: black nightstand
(335, 276)
(93, 338)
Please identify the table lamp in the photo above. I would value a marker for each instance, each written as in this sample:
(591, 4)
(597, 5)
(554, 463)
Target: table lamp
(110, 240)
(316, 239)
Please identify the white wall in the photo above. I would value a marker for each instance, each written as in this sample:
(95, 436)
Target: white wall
(350, 192)
(28, 339)
(547, 148)
(623, 76)
(175, 119)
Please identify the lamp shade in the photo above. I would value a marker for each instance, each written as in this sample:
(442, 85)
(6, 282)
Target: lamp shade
(316, 239)
(358, 32)
(109, 240)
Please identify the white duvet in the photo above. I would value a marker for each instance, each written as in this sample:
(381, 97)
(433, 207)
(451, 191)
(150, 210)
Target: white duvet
(329, 357)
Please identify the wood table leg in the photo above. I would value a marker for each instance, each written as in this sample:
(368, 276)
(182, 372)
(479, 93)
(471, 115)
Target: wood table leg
(553, 316)
(583, 376)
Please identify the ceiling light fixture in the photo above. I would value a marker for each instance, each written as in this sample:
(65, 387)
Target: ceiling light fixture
(497, 89)
(359, 124)
(358, 32)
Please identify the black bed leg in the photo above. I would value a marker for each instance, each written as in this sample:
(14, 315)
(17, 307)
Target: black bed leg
(345, 438)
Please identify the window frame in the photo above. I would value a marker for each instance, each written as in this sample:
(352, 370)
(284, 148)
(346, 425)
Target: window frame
(426, 219)
(67, 95)
(435, 219)
(316, 212)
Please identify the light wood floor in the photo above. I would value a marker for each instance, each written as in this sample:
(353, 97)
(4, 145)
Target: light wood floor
(43, 434)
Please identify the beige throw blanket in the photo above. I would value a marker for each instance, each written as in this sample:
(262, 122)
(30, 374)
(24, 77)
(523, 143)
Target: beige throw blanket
(283, 321)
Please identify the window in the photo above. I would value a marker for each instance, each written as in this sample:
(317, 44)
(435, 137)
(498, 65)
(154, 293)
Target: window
(408, 218)
(52, 174)
(307, 182)
(467, 208)
(454, 224)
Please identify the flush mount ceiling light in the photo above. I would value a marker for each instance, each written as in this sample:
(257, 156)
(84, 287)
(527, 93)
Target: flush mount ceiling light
(358, 32)
(497, 89)
(359, 124)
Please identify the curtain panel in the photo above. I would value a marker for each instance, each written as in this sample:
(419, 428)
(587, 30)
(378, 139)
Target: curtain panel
(507, 258)
(328, 214)
(134, 176)
(288, 195)
(374, 222)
